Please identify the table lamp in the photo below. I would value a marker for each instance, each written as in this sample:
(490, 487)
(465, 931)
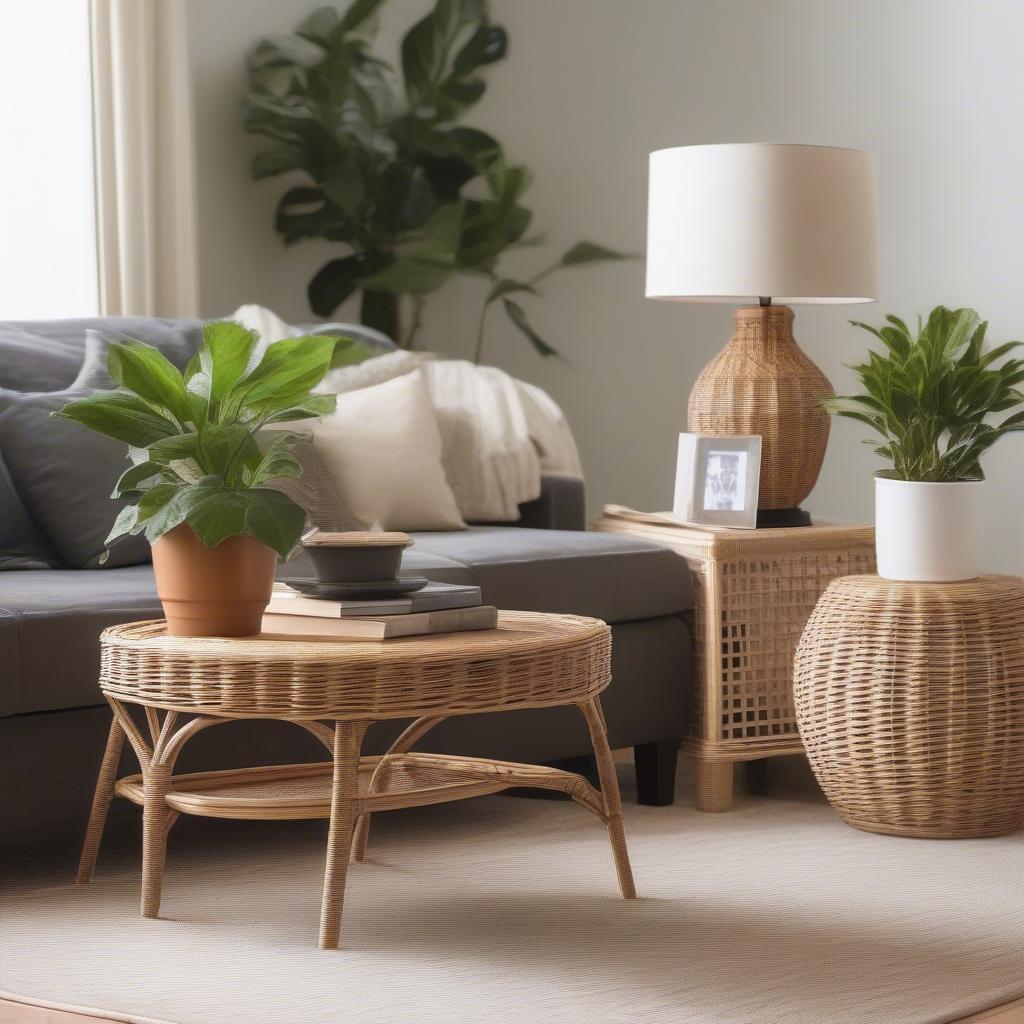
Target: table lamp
(780, 224)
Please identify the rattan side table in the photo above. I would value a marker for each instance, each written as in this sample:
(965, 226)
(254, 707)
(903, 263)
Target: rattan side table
(910, 699)
(335, 690)
(753, 592)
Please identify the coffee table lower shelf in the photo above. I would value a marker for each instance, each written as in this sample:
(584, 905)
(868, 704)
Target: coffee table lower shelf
(388, 782)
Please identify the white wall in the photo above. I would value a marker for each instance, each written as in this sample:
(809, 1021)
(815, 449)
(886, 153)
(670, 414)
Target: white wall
(934, 87)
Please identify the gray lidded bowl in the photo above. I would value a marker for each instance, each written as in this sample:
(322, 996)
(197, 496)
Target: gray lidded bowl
(356, 557)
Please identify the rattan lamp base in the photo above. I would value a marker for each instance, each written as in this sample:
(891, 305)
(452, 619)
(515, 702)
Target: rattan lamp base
(762, 383)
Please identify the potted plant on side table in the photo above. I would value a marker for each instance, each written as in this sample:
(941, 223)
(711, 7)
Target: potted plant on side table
(934, 397)
(201, 462)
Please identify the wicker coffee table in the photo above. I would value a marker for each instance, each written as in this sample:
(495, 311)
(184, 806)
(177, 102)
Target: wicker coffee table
(335, 690)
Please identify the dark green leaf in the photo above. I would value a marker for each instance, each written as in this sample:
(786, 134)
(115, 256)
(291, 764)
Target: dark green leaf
(268, 515)
(150, 374)
(317, 405)
(136, 478)
(298, 50)
(489, 43)
(320, 25)
(358, 13)
(300, 214)
(590, 252)
(345, 187)
(125, 524)
(410, 275)
(379, 310)
(275, 161)
(120, 415)
(518, 317)
(335, 281)
(506, 286)
(290, 364)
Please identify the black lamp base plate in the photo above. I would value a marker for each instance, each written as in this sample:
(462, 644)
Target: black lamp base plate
(768, 518)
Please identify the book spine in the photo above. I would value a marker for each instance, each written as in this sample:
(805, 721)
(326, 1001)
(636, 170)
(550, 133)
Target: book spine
(448, 620)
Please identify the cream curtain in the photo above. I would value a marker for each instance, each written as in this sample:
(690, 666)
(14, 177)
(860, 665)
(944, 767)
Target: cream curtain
(144, 155)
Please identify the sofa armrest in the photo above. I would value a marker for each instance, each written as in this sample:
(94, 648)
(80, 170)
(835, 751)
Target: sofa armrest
(561, 505)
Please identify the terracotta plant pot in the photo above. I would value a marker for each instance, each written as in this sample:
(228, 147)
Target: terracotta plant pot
(219, 591)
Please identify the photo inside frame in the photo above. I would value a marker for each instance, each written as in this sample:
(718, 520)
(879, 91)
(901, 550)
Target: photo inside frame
(725, 482)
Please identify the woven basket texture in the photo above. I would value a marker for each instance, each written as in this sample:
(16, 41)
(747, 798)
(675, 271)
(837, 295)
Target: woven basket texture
(753, 595)
(530, 660)
(762, 383)
(910, 699)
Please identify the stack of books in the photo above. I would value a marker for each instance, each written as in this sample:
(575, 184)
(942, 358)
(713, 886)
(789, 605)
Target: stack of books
(437, 608)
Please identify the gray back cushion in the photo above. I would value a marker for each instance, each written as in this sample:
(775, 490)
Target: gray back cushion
(21, 544)
(46, 355)
(65, 473)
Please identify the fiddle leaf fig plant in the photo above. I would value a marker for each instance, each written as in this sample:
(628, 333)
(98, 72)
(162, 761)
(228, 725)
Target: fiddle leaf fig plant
(384, 168)
(932, 395)
(199, 451)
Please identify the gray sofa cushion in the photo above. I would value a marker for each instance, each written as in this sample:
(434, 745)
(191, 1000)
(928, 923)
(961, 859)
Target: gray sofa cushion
(64, 473)
(21, 544)
(612, 577)
(45, 355)
(50, 621)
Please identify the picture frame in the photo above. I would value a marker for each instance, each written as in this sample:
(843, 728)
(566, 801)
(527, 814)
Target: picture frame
(717, 480)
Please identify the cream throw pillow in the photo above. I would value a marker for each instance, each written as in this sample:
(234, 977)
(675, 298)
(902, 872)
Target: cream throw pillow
(382, 451)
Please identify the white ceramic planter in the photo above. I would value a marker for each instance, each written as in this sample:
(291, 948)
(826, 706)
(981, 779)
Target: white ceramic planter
(929, 532)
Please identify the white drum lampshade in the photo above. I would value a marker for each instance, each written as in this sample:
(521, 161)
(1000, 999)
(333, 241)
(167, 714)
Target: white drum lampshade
(779, 224)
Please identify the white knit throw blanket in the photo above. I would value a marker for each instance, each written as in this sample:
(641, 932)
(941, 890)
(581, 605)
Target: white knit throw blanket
(498, 434)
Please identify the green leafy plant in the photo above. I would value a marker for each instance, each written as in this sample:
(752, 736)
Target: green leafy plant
(196, 440)
(413, 196)
(931, 395)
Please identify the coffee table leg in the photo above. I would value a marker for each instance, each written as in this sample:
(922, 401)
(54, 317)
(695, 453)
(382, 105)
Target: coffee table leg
(348, 738)
(156, 781)
(100, 803)
(610, 793)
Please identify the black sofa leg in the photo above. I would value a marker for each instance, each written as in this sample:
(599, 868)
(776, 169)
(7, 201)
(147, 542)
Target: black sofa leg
(656, 772)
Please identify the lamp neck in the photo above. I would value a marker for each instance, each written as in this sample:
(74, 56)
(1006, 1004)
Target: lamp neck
(767, 327)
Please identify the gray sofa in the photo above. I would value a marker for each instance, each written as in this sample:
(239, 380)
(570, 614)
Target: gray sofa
(52, 718)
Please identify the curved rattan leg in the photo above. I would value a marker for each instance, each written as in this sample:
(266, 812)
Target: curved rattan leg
(100, 803)
(348, 738)
(405, 742)
(610, 794)
(156, 781)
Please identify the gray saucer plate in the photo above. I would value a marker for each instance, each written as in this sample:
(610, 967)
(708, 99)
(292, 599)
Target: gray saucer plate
(312, 587)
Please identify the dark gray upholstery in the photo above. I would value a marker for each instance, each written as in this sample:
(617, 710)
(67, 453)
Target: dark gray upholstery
(648, 700)
(50, 621)
(561, 505)
(615, 578)
(22, 546)
(46, 355)
(52, 722)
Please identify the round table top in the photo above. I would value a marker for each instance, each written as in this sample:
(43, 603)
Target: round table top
(871, 589)
(530, 660)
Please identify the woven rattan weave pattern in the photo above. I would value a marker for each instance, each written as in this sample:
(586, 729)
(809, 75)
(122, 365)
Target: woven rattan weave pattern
(531, 660)
(187, 685)
(763, 383)
(910, 698)
(753, 592)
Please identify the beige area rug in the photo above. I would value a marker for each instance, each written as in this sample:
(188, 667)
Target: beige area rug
(506, 910)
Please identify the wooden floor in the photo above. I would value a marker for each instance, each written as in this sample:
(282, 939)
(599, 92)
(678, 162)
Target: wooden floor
(19, 1013)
